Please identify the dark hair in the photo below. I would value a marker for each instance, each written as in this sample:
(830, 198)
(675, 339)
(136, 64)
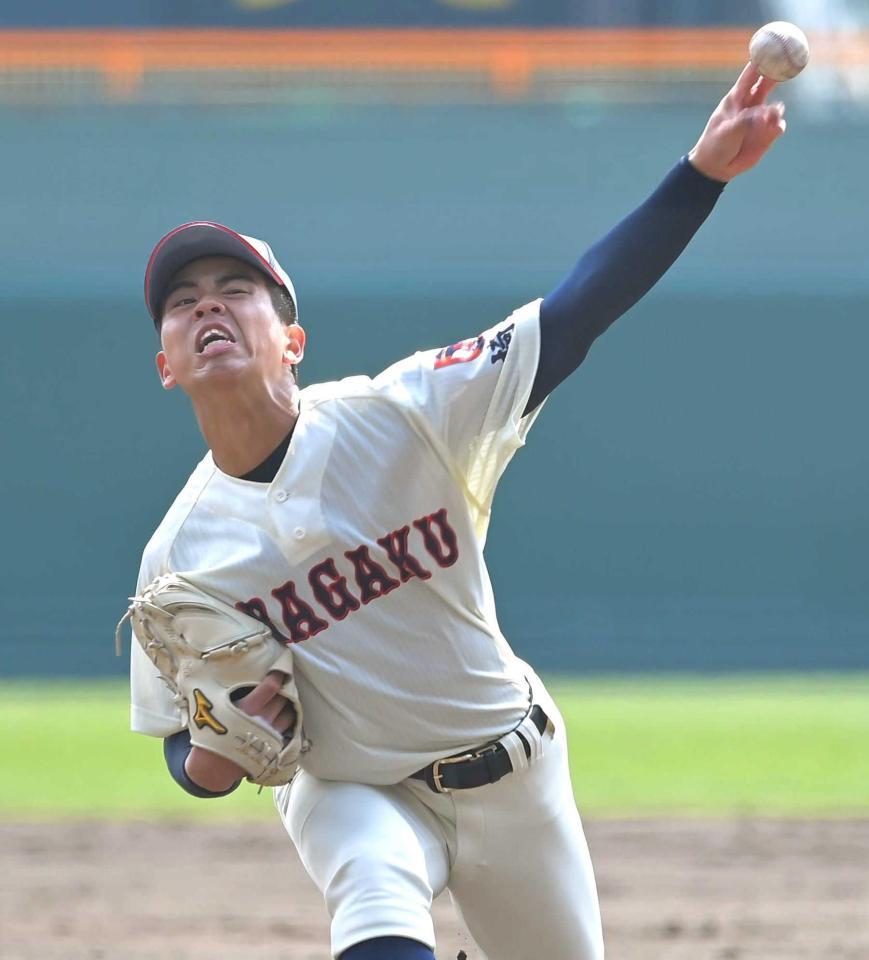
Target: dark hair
(285, 308)
(283, 303)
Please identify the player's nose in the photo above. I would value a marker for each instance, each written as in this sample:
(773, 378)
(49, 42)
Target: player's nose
(209, 305)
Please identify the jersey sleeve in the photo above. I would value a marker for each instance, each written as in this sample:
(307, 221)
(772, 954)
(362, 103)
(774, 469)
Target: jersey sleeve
(471, 398)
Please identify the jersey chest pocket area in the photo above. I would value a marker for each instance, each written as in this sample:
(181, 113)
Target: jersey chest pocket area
(298, 527)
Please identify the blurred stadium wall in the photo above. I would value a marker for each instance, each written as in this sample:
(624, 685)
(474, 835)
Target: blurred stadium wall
(694, 498)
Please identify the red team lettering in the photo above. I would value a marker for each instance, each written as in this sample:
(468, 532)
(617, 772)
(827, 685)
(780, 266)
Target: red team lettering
(445, 546)
(395, 545)
(330, 587)
(298, 615)
(373, 581)
(462, 352)
(334, 595)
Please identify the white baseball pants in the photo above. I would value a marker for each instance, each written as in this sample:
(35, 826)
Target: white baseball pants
(512, 854)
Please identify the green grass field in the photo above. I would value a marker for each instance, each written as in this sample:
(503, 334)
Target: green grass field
(757, 745)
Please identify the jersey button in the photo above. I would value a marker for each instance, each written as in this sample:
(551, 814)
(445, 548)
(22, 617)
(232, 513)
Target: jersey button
(299, 533)
(281, 495)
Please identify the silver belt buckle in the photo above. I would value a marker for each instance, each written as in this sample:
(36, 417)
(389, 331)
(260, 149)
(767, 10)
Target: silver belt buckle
(474, 755)
(436, 770)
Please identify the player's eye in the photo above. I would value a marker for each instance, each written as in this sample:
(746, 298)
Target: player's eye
(236, 290)
(182, 302)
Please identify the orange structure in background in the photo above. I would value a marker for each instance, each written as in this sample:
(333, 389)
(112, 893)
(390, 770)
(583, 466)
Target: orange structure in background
(509, 58)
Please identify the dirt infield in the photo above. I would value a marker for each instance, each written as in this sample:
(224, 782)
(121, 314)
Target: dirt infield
(747, 889)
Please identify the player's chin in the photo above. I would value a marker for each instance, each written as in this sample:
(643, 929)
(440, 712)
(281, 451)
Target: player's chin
(229, 364)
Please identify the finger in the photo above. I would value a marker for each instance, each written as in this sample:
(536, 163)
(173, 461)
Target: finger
(760, 91)
(286, 719)
(768, 114)
(737, 127)
(271, 710)
(760, 128)
(745, 81)
(262, 693)
(273, 681)
(774, 116)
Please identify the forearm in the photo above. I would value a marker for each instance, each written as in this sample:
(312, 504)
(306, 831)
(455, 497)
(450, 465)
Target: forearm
(200, 773)
(617, 271)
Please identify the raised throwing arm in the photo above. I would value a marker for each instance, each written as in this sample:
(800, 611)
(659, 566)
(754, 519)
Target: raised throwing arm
(613, 274)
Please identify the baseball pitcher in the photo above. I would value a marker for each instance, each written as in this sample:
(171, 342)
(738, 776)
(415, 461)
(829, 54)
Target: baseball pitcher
(314, 612)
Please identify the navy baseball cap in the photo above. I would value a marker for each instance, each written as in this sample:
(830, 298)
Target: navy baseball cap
(203, 238)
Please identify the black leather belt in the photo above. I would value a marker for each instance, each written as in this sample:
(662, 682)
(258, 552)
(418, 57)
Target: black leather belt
(488, 764)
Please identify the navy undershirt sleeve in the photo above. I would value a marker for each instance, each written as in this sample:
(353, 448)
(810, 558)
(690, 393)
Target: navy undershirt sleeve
(617, 271)
(175, 750)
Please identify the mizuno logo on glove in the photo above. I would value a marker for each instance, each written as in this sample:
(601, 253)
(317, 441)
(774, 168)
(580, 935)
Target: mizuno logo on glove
(203, 717)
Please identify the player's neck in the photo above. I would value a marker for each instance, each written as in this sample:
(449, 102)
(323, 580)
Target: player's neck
(242, 429)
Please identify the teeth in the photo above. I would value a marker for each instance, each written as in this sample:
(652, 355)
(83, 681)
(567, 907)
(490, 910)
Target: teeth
(211, 336)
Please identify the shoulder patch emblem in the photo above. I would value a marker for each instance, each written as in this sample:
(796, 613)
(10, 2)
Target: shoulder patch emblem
(461, 352)
(203, 716)
(500, 344)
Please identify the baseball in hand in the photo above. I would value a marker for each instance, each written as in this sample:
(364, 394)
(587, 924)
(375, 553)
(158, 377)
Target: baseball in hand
(779, 50)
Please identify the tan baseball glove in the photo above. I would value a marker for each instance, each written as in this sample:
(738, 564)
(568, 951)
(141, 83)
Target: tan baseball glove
(210, 655)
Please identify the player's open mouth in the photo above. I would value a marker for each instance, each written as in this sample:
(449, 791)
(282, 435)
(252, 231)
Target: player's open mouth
(214, 339)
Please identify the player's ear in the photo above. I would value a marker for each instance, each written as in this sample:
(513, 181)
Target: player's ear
(294, 344)
(166, 377)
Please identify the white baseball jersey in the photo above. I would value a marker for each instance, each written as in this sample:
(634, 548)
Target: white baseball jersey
(366, 553)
